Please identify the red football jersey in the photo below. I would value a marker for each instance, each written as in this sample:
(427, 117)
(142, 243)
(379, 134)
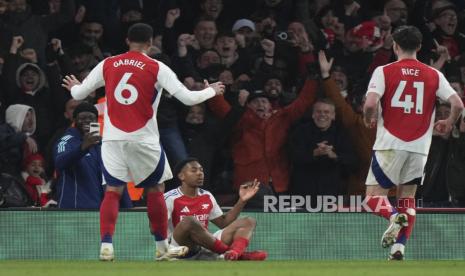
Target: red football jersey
(203, 207)
(130, 80)
(408, 91)
(133, 84)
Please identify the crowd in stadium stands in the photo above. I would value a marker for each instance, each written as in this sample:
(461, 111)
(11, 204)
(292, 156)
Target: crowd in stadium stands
(285, 120)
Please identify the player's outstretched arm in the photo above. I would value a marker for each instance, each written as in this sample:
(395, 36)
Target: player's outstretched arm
(246, 192)
(80, 91)
(456, 108)
(169, 81)
(69, 82)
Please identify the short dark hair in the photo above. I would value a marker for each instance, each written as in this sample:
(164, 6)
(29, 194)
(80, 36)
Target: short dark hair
(408, 38)
(181, 164)
(140, 33)
(85, 107)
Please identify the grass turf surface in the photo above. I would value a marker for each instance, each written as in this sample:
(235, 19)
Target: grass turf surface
(268, 268)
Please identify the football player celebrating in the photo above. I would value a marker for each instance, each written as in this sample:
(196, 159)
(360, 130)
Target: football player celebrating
(400, 102)
(190, 208)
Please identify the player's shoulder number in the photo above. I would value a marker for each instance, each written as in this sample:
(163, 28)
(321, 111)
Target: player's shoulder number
(407, 104)
(126, 93)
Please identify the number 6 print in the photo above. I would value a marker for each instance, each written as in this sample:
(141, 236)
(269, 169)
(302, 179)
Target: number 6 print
(124, 85)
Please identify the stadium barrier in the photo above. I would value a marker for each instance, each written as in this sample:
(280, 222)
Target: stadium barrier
(74, 235)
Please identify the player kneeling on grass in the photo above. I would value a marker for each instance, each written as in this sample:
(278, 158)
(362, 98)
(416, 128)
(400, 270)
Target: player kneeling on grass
(190, 208)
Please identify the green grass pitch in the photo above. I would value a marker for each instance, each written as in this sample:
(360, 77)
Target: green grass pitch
(220, 268)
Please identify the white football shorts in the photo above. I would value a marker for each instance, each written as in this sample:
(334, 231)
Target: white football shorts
(395, 167)
(143, 163)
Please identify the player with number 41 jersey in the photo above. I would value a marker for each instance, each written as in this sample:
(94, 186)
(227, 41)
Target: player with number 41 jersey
(407, 89)
(401, 101)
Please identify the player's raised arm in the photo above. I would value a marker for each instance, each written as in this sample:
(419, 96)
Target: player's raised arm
(80, 91)
(169, 81)
(246, 192)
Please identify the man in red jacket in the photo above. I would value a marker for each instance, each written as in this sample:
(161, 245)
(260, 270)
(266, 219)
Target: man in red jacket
(260, 136)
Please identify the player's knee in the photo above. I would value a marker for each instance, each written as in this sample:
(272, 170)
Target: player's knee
(189, 223)
(249, 222)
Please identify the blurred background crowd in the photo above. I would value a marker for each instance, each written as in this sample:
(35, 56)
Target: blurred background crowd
(288, 117)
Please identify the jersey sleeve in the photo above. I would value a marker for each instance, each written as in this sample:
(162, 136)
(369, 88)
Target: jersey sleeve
(93, 81)
(216, 211)
(444, 88)
(169, 81)
(376, 83)
(169, 205)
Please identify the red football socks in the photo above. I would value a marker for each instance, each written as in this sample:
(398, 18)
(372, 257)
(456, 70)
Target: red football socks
(108, 215)
(219, 247)
(406, 206)
(158, 215)
(380, 206)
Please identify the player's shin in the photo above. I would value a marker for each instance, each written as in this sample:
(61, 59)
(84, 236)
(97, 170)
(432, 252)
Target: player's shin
(108, 215)
(380, 206)
(158, 219)
(406, 206)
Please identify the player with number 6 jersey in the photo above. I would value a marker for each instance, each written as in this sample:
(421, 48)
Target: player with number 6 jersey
(400, 101)
(131, 149)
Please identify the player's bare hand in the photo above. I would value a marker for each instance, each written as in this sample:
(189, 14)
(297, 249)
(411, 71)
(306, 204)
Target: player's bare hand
(247, 191)
(70, 81)
(443, 126)
(217, 86)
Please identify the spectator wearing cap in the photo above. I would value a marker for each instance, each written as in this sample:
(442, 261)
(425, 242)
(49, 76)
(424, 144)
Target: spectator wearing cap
(28, 87)
(78, 163)
(444, 16)
(259, 138)
(244, 29)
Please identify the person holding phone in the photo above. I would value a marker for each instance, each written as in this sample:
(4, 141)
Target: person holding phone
(78, 162)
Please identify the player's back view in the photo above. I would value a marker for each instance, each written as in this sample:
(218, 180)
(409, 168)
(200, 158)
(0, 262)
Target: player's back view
(131, 150)
(401, 99)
